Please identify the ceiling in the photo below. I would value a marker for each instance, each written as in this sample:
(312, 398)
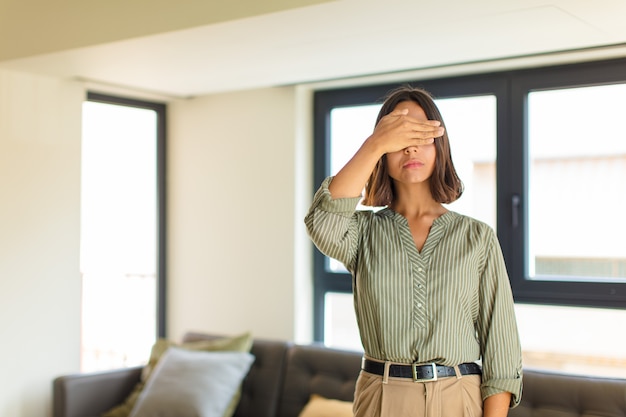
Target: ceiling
(334, 40)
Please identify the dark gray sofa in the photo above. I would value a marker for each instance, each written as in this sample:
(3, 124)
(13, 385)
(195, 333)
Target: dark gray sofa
(284, 375)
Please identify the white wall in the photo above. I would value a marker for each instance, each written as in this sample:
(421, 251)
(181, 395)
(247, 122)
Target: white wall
(39, 238)
(232, 213)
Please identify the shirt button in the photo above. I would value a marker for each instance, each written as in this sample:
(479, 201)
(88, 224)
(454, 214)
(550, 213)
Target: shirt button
(420, 269)
(419, 305)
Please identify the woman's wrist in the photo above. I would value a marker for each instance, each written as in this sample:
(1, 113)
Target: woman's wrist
(497, 405)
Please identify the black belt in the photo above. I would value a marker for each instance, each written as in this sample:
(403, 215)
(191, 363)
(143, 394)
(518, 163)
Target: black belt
(419, 373)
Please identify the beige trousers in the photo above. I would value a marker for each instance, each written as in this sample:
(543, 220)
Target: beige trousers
(401, 397)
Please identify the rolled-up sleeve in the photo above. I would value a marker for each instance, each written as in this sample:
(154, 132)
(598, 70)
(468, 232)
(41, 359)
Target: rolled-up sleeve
(497, 328)
(332, 225)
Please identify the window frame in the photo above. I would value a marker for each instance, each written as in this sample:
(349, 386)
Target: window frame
(510, 88)
(161, 136)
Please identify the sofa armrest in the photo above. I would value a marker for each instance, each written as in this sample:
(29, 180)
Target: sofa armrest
(91, 394)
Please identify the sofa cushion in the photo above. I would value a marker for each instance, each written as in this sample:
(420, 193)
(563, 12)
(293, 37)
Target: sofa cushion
(315, 369)
(241, 343)
(560, 395)
(188, 383)
(319, 406)
(261, 389)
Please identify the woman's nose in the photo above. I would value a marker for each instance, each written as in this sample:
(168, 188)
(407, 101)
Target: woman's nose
(410, 149)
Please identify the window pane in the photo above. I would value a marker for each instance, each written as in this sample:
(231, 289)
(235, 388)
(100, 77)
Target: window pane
(473, 153)
(340, 328)
(577, 184)
(119, 228)
(349, 127)
(556, 344)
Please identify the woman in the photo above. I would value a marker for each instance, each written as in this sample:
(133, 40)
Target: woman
(431, 291)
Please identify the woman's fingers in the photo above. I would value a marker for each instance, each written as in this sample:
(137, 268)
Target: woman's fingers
(400, 120)
(427, 141)
(426, 132)
(398, 112)
(424, 129)
(397, 130)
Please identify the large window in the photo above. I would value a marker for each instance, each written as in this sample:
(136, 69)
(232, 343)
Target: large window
(122, 231)
(549, 175)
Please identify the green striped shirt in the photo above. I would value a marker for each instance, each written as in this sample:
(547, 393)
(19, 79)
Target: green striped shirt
(450, 303)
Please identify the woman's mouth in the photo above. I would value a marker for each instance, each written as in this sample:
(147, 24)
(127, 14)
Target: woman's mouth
(413, 163)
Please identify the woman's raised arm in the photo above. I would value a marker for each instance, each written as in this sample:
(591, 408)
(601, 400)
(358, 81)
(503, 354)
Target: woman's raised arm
(394, 132)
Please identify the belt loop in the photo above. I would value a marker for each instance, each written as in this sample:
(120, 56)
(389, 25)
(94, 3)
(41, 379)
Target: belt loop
(386, 372)
(457, 371)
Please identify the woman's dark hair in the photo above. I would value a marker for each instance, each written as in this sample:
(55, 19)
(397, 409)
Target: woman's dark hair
(445, 185)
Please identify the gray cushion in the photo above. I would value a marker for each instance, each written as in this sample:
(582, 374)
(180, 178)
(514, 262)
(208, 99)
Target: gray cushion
(192, 384)
(260, 394)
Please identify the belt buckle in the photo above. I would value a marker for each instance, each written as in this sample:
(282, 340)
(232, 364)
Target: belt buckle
(416, 379)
